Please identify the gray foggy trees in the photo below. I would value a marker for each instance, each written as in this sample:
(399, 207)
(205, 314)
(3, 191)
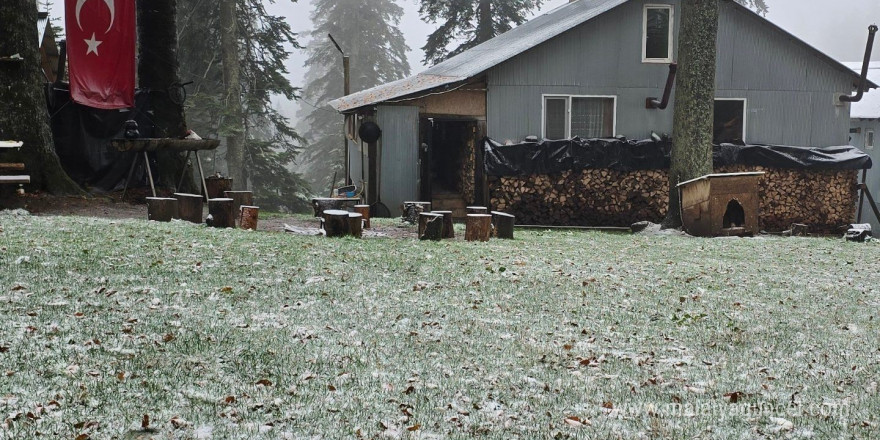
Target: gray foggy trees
(367, 30)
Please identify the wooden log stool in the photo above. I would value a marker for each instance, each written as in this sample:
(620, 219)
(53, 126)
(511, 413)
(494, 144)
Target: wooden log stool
(478, 227)
(503, 223)
(477, 210)
(411, 210)
(448, 229)
(217, 185)
(240, 198)
(220, 213)
(249, 216)
(364, 211)
(356, 224)
(336, 223)
(189, 207)
(430, 226)
(161, 209)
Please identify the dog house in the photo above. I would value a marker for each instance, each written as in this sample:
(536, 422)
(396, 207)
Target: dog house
(720, 204)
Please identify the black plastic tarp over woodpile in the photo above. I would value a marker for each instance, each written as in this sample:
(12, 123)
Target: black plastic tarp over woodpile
(550, 157)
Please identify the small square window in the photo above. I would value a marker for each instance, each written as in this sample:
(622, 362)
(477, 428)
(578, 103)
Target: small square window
(869, 140)
(657, 34)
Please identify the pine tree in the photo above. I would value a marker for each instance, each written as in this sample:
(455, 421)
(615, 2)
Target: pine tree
(367, 30)
(269, 144)
(471, 21)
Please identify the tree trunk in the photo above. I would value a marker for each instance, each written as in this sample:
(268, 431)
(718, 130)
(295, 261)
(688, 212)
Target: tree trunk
(485, 28)
(694, 100)
(158, 67)
(23, 113)
(234, 120)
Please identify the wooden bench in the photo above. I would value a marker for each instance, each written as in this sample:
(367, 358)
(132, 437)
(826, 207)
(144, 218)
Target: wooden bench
(13, 179)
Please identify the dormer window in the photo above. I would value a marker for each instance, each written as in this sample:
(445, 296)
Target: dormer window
(657, 34)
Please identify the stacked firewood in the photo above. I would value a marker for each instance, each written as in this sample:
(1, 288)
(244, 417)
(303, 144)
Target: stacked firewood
(824, 200)
(465, 178)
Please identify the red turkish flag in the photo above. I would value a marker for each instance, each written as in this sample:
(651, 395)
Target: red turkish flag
(101, 52)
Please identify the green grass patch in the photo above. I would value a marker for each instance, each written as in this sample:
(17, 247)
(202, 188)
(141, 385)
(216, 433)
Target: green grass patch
(237, 334)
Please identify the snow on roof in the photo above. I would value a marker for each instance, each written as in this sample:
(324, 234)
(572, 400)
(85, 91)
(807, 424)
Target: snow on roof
(869, 106)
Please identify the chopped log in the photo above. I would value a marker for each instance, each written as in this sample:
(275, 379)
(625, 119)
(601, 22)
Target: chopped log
(502, 224)
(161, 209)
(448, 227)
(364, 211)
(430, 226)
(336, 222)
(189, 207)
(216, 186)
(356, 224)
(478, 227)
(411, 211)
(239, 199)
(477, 210)
(220, 213)
(249, 216)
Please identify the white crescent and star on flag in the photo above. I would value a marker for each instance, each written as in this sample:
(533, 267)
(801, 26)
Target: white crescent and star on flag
(93, 43)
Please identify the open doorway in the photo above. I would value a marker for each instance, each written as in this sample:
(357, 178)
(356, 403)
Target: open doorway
(447, 157)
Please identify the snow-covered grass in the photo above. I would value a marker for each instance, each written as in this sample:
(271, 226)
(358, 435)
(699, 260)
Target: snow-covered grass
(233, 334)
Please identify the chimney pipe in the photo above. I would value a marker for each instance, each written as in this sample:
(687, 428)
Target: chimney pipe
(872, 29)
(670, 80)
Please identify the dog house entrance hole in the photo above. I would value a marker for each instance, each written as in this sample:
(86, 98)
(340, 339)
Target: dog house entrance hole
(734, 216)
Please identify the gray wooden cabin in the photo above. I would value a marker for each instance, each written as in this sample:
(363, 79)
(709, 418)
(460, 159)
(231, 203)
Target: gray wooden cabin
(585, 69)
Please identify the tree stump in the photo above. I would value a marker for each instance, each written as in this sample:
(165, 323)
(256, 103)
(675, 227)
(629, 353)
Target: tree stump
(189, 207)
(356, 224)
(216, 186)
(448, 229)
(478, 228)
(239, 199)
(161, 209)
(249, 216)
(220, 213)
(411, 211)
(502, 224)
(364, 211)
(336, 222)
(430, 226)
(477, 210)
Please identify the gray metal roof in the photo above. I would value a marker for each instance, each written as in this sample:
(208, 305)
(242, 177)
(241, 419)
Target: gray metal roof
(869, 106)
(477, 60)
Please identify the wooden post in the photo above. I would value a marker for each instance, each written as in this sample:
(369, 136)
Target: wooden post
(364, 211)
(336, 222)
(502, 224)
(478, 228)
(430, 226)
(448, 229)
(161, 209)
(477, 210)
(356, 224)
(249, 216)
(240, 198)
(220, 213)
(411, 210)
(189, 207)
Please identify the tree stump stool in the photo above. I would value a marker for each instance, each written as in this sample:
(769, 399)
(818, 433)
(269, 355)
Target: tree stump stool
(220, 213)
(249, 216)
(240, 198)
(356, 224)
(448, 229)
(503, 223)
(477, 210)
(478, 228)
(217, 185)
(411, 211)
(430, 226)
(189, 207)
(364, 211)
(161, 209)
(336, 223)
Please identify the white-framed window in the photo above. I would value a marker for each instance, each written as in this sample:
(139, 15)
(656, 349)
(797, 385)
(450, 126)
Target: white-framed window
(869, 139)
(657, 33)
(585, 116)
(730, 121)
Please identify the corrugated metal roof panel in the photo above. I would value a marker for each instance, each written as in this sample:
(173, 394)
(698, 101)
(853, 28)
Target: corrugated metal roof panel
(869, 106)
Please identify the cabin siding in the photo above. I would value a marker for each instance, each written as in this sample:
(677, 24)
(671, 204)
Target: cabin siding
(790, 91)
(398, 154)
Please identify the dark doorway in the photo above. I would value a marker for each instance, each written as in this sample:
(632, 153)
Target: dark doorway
(734, 216)
(446, 153)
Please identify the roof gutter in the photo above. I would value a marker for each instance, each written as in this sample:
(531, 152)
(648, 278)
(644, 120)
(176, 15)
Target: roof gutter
(872, 30)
